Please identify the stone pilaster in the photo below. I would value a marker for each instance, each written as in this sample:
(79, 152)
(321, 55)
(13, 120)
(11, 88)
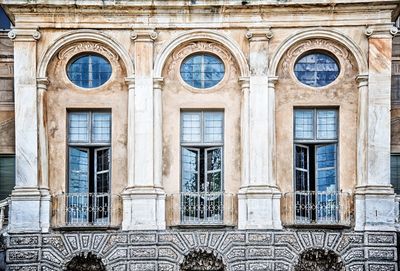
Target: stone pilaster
(374, 196)
(259, 197)
(144, 198)
(25, 203)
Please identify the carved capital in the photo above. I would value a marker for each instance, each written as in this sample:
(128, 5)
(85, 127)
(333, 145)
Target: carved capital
(158, 83)
(24, 34)
(259, 34)
(272, 81)
(244, 83)
(130, 81)
(362, 80)
(381, 31)
(42, 83)
(144, 35)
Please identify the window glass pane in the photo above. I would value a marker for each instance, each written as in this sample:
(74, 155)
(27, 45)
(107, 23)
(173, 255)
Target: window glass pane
(316, 69)
(101, 129)
(213, 126)
(89, 71)
(78, 127)
(190, 158)
(191, 127)
(326, 168)
(326, 124)
(301, 163)
(395, 172)
(214, 159)
(7, 175)
(202, 70)
(78, 170)
(303, 123)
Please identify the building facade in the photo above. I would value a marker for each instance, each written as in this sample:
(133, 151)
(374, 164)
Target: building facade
(200, 135)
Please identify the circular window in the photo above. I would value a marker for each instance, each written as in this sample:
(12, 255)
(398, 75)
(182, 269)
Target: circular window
(316, 69)
(89, 70)
(202, 70)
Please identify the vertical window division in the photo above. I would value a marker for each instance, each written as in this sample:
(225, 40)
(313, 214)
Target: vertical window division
(89, 151)
(315, 165)
(202, 167)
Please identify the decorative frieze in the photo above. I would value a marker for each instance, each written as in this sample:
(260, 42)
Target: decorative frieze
(80, 47)
(236, 250)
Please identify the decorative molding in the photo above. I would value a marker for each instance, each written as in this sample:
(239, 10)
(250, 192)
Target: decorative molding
(202, 46)
(232, 250)
(308, 45)
(320, 33)
(201, 34)
(82, 36)
(80, 47)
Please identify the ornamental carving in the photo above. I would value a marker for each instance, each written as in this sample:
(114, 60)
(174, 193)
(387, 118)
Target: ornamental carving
(308, 45)
(202, 46)
(319, 260)
(81, 47)
(202, 261)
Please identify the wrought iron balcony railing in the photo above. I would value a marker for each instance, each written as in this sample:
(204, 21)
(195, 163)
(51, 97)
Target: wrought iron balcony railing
(317, 208)
(4, 207)
(84, 209)
(201, 208)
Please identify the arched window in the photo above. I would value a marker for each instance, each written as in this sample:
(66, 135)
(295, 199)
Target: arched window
(319, 259)
(202, 261)
(89, 70)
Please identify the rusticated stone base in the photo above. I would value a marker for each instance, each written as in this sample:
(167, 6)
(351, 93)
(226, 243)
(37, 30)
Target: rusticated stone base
(169, 250)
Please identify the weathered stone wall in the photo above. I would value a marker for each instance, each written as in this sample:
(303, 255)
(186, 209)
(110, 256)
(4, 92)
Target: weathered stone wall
(166, 250)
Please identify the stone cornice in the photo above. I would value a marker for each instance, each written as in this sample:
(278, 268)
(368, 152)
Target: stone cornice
(24, 34)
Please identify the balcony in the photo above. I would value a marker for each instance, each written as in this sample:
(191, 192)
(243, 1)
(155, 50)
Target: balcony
(85, 209)
(201, 208)
(310, 208)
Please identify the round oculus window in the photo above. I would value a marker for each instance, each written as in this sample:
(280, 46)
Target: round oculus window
(316, 69)
(202, 70)
(89, 70)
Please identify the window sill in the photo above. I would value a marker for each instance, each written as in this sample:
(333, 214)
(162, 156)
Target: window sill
(318, 226)
(85, 228)
(202, 226)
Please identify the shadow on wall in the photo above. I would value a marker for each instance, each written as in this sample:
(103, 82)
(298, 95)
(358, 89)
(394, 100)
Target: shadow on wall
(2, 254)
(202, 260)
(319, 260)
(86, 262)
